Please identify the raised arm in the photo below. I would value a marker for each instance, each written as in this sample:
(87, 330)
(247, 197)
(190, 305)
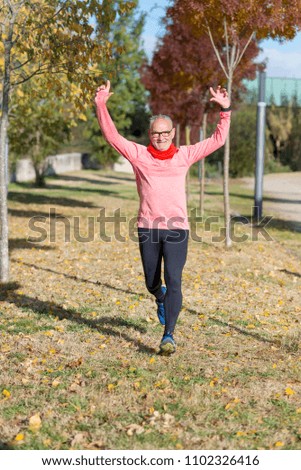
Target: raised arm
(123, 146)
(218, 138)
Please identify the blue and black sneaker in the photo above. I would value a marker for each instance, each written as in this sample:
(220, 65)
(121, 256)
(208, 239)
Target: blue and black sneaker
(161, 309)
(167, 345)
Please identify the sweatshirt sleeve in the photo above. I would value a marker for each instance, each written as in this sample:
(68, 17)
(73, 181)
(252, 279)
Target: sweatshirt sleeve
(127, 148)
(200, 150)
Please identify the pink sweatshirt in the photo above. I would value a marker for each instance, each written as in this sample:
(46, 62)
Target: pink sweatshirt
(161, 183)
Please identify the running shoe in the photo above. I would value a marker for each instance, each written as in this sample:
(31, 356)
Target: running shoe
(161, 309)
(167, 345)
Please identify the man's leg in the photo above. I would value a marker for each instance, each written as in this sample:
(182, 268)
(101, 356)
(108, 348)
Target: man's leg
(174, 253)
(151, 251)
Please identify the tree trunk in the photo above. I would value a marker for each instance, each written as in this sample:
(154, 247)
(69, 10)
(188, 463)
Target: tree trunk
(228, 240)
(40, 176)
(202, 181)
(187, 142)
(178, 140)
(4, 257)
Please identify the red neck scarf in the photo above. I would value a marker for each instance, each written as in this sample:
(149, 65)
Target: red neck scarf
(162, 154)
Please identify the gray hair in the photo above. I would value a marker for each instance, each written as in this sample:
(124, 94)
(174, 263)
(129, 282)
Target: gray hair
(160, 116)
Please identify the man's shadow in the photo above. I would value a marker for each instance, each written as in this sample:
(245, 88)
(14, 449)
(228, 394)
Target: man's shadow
(104, 325)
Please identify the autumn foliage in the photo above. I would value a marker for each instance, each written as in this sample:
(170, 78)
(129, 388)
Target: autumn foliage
(183, 68)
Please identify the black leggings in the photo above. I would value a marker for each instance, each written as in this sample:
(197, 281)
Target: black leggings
(170, 245)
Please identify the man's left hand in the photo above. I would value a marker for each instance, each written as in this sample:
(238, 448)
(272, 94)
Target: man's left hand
(220, 96)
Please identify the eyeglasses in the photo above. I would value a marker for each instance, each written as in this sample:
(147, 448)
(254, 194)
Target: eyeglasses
(163, 133)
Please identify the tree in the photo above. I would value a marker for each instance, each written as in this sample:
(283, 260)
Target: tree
(51, 39)
(128, 103)
(232, 25)
(243, 141)
(291, 155)
(280, 125)
(39, 123)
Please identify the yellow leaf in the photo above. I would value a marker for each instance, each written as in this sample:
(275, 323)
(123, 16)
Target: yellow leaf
(298, 410)
(111, 387)
(82, 116)
(279, 444)
(6, 393)
(241, 433)
(152, 360)
(137, 385)
(289, 391)
(19, 437)
(35, 422)
(55, 383)
(213, 382)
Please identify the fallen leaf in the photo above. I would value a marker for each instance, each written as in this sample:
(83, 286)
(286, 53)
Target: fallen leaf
(134, 429)
(111, 387)
(35, 422)
(289, 391)
(75, 363)
(78, 439)
(96, 445)
(6, 393)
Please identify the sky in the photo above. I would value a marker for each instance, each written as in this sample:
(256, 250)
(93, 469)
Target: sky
(283, 60)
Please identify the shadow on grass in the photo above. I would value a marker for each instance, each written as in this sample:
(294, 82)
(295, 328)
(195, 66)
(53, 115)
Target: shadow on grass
(285, 225)
(251, 197)
(30, 213)
(101, 179)
(80, 178)
(6, 446)
(102, 192)
(23, 244)
(241, 331)
(79, 279)
(30, 198)
(267, 222)
(105, 325)
(291, 273)
(119, 178)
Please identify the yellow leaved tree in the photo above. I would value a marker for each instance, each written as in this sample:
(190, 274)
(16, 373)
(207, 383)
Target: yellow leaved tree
(61, 42)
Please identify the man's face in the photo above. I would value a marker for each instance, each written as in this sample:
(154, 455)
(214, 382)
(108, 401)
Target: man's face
(161, 141)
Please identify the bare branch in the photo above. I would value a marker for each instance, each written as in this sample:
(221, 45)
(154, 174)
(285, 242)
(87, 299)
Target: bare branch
(227, 43)
(217, 52)
(20, 65)
(232, 58)
(244, 49)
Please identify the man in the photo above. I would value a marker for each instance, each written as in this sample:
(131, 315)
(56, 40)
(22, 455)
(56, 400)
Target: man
(163, 229)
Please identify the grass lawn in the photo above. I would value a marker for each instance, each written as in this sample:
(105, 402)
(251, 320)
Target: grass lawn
(79, 358)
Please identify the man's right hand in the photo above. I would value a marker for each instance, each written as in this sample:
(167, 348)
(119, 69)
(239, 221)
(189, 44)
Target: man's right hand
(103, 93)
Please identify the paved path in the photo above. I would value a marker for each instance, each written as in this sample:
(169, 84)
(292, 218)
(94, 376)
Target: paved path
(282, 196)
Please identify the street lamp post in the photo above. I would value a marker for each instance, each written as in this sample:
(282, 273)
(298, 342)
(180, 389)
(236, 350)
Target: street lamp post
(260, 143)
